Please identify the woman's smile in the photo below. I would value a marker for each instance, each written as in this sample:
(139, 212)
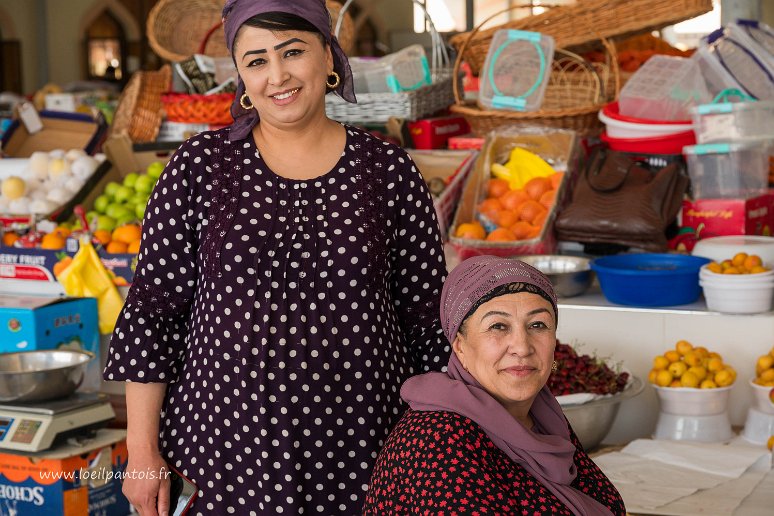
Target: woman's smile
(520, 371)
(285, 97)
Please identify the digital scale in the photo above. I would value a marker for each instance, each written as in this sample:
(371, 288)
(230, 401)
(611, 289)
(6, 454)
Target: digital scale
(34, 427)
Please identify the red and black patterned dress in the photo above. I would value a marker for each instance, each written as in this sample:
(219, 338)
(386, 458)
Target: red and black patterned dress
(443, 463)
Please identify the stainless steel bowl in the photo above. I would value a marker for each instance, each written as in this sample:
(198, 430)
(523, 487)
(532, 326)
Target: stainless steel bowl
(592, 421)
(29, 376)
(570, 275)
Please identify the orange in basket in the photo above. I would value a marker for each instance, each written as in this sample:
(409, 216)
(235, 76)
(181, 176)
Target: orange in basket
(198, 109)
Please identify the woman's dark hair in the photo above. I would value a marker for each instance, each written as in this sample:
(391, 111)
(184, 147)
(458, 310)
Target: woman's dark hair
(280, 22)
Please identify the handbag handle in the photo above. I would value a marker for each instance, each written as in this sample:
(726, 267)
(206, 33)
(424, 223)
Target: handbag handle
(597, 163)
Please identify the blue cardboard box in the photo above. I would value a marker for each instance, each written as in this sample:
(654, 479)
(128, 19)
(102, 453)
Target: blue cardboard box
(32, 323)
(81, 479)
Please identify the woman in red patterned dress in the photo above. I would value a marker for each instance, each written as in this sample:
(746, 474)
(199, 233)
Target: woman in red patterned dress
(487, 436)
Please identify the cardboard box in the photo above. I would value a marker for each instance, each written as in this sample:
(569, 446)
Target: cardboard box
(467, 141)
(453, 167)
(60, 131)
(553, 145)
(705, 218)
(33, 323)
(72, 480)
(434, 133)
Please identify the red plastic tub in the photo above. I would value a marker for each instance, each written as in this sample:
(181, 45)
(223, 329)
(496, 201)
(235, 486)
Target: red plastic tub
(668, 144)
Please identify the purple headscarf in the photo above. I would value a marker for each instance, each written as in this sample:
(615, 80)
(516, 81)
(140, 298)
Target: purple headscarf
(237, 12)
(546, 452)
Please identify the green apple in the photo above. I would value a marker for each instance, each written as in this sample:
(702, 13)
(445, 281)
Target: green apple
(111, 188)
(130, 179)
(106, 222)
(118, 210)
(139, 211)
(101, 203)
(144, 184)
(125, 219)
(139, 198)
(122, 194)
(155, 169)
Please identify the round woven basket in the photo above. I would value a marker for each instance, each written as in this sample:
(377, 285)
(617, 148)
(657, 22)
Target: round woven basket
(177, 29)
(140, 109)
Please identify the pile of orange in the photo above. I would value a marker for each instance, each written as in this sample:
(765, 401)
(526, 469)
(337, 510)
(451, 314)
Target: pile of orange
(741, 263)
(517, 214)
(123, 239)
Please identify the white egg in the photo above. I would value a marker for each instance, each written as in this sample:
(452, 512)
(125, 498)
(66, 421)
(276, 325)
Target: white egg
(84, 167)
(33, 183)
(100, 156)
(4, 205)
(41, 206)
(57, 154)
(39, 165)
(20, 206)
(38, 195)
(74, 154)
(58, 167)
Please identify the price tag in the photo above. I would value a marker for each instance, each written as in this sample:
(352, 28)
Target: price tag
(30, 118)
(719, 127)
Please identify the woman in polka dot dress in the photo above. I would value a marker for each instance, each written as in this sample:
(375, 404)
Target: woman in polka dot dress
(487, 436)
(288, 283)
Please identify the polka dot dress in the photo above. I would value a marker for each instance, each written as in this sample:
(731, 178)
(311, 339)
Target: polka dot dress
(444, 463)
(284, 314)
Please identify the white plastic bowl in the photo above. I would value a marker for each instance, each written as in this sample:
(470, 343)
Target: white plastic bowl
(725, 247)
(686, 401)
(758, 427)
(621, 129)
(708, 429)
(761, 401)
(738, 299)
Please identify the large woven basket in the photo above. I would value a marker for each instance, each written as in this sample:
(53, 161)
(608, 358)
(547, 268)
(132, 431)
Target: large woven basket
(140, 109)
(378, 108)
(576, 92)
(587, 21)
(177, 28)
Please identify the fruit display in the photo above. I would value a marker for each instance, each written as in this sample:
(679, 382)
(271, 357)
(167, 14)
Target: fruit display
(49, 180)
(741, 263)
(764, 371)
(124, 203)
(583, 374)
(519, 197)
(689, 366)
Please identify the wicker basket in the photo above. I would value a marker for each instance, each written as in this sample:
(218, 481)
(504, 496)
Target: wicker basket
(177, 28)
(587, 21)
(140, 110)
(378, 108)
(576, 92)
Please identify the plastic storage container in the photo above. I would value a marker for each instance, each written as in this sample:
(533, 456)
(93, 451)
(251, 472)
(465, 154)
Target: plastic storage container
(516, 70)
(741, 121)
(716, 77)
(745, 62)
(649, 279)
(405, 70)
(728, 170)
(664, 88)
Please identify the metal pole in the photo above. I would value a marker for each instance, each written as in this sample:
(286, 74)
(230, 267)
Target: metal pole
(469, 15)
(41, 33)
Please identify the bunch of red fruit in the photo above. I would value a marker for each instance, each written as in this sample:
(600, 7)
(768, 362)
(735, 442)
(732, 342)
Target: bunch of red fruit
(583, 373)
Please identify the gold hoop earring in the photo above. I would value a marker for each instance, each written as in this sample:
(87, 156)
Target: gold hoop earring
(244, 104)
(336, 80)
(554, 366)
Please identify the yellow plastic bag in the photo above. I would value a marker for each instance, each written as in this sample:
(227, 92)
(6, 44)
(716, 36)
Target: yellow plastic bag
(85, 276)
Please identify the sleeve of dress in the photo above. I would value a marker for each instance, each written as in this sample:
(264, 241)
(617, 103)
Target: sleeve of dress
(149, 336)
(418, 266)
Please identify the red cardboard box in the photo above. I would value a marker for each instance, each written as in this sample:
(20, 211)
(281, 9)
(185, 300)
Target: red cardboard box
(718, 217)
(466, 142)
(433, 133)
(72, 480)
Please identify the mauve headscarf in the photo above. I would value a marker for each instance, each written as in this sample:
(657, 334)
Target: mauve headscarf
(237, 12)
(546, 453)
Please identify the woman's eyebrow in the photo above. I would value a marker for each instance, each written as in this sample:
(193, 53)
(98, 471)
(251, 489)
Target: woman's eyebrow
(495, 312)
(288, 42)
(538, 311)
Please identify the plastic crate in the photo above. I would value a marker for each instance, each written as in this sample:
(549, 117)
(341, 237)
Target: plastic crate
(728, 170)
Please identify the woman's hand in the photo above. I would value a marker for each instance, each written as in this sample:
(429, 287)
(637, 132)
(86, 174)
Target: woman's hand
(147, 483)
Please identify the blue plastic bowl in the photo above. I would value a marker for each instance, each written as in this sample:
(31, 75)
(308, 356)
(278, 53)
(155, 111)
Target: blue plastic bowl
(649, 279)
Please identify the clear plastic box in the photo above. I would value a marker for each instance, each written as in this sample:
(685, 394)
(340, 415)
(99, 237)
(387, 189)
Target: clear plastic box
(716, 77)
(516, 70)
(728, 170)
(727, 122)
(405, 70)
(664, 88)
(751, 69)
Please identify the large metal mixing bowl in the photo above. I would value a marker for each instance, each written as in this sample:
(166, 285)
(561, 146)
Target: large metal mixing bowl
(570, 275)
(592, 421)
(29, 376)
